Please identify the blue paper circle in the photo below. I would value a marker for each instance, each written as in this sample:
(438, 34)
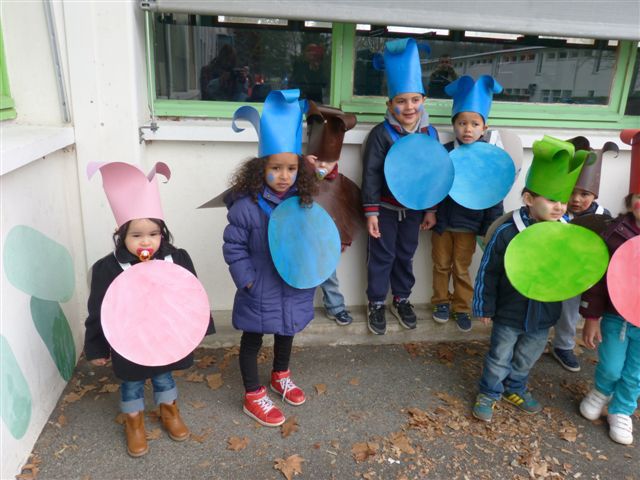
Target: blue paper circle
(304, 243)
(484, 174)
(418, 171)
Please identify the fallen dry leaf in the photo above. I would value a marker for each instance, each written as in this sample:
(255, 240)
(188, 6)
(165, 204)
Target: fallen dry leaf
(354, 381)
(206, 361)
(214, 381)
(109, 388)
(62, 421)
(195, 377)
(197, 404)
(400, 441)
(103, 379)
(445, 353)
(71, 397)
(204, 464)
(321, 388)
(289, 467)
(154, 434)
(203, 436)
(363, 450)
(120, 418)
(179, 373)
(289, 426)
(236, 443)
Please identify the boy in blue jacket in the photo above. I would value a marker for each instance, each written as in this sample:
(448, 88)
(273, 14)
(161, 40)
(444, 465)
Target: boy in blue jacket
(520, 325)
(453, 241)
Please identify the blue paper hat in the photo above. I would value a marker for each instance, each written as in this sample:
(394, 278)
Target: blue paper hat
(470, 96)
(280, 127)
(401, 61)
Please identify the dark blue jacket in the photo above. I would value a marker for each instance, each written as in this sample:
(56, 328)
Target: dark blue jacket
(495, 297)
(452, 215)
(270, 305)
(591, 210)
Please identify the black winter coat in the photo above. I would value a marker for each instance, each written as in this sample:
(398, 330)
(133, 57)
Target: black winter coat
(104, 271)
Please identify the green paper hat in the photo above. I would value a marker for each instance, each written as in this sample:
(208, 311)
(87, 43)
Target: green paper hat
(555, 168)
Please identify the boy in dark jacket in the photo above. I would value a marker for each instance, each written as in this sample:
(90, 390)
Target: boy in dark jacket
(453, 241)
(393, 229)
(520, 325)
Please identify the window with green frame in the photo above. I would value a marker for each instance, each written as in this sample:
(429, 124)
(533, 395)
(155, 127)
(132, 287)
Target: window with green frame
(549, 81)
(7, 106)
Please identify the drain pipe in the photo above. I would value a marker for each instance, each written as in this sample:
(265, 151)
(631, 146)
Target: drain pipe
(55, 53)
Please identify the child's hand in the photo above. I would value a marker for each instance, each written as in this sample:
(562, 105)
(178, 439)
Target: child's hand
(591, 334)
(310, 159)
(485, 320)
(99, 362)
(428, 221)
(372, 226)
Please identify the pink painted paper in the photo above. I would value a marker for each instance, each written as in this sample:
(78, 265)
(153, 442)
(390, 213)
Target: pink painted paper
(623, 280)
(155, 313)
(130, 192)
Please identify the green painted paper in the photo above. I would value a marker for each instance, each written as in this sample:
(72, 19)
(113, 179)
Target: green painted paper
(553, 261)
(55, 332)
(37, 265)
(15, 394)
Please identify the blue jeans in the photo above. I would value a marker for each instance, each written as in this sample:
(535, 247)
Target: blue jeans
(511, 356)
(618, 370)
(331, 297)
(564, 337)
(132, 393)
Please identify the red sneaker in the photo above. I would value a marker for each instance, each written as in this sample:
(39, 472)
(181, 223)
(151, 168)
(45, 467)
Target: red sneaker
(259, 406)
(281, 383)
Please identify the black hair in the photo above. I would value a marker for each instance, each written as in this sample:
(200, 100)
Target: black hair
(530, 192)
(453, 119)
(627, 200)
(121, 233)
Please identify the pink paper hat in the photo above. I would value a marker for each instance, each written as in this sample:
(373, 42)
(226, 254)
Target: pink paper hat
(130, 192)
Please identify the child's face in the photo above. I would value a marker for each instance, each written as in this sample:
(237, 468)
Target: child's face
(469, 127)
(324, 168)
(406, 108)
(143, 234)
(635, 207)
(580, 200)
(544, 210)
(281, 171)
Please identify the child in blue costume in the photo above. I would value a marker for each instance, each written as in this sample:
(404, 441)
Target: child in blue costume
(264, 303)
(520, 325)
(393, 229)
(582, 202)
(453, 241)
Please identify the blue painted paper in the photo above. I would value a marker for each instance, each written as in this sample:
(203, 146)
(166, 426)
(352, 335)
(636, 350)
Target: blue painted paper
(401, 63)
(279, 128)
(304, 243)
(419, 171)
(484, 175)
(471, 96)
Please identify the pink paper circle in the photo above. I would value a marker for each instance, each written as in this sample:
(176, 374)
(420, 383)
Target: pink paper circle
(623, 280)
(155, 313)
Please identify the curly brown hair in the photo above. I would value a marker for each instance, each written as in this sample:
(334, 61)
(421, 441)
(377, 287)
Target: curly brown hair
(248, 179)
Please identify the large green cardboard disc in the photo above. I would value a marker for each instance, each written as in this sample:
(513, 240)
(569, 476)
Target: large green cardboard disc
(553, 261)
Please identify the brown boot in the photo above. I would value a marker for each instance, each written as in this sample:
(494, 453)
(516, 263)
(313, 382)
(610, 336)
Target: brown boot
(172, 422)
(136, 436)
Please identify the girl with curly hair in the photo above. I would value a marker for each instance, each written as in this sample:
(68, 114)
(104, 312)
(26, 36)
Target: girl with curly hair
(264, 303)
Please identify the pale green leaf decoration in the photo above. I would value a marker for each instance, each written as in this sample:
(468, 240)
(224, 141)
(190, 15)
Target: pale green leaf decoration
(15, 394)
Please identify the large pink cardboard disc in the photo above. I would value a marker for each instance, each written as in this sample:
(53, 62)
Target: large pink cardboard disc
(623, 280)
(155, 313)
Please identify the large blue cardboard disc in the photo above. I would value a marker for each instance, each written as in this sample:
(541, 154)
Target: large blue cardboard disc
(553, 261)
(304, 243)
(418, 171)
(484, 174)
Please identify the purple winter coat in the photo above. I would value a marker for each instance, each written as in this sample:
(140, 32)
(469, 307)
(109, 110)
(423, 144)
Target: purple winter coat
(270, 305)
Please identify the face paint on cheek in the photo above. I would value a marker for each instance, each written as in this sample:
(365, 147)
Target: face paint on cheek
(421, 107)
(397, 110)
(271, 178)
(293, 178)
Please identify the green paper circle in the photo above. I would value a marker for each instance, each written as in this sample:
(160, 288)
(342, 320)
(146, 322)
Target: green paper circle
(16, 396)
(37, 265)
(553, 261)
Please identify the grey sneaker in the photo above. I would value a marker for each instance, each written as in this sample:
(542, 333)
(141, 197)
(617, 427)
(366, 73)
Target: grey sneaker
(342, 318)
(483, 408)
(403, 311)
(377, 322)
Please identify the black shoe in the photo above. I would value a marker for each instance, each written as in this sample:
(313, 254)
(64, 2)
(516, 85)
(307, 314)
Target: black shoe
(377, 322)
(403, 310)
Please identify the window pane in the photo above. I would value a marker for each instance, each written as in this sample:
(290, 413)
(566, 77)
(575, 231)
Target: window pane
(633, 101)
(239, 59)
(552, 70)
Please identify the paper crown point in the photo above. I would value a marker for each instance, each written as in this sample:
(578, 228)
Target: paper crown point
(473, 96)
(632, 137)
(279, 128)
(131, 193)
(589, 179)
(326, 127)
(555, 168)
(401, 62)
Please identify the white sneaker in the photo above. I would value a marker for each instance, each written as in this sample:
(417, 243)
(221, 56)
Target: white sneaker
(620, 428)
(592, 405)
